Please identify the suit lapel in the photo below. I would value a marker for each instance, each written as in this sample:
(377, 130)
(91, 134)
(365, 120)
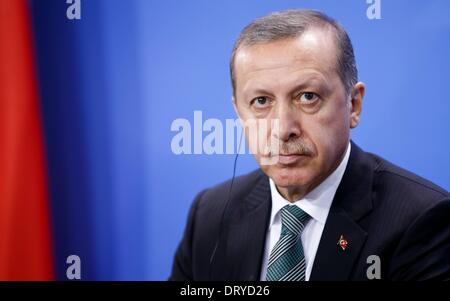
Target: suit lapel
(353, 201)
(333, 262)
(247, 233)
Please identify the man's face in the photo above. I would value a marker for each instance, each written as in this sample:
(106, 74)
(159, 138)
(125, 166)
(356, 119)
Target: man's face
(296, 82)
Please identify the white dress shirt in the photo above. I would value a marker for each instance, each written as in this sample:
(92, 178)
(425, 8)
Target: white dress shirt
(317, 204)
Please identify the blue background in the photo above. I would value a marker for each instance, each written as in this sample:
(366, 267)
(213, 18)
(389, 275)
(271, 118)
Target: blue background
(112, 83)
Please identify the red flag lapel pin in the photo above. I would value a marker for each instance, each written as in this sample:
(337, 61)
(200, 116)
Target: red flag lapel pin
(342, 242)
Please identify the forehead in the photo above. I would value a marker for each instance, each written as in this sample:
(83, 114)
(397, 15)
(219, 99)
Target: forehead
(314, 50)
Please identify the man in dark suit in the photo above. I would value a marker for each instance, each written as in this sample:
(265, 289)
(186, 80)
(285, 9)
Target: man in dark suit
(320, 208)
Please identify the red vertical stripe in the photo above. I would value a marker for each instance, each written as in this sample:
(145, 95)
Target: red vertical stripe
(25, 240)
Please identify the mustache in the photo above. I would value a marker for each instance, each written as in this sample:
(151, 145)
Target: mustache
(294, 147)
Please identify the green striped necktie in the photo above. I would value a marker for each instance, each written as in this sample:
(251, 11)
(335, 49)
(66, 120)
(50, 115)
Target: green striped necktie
(287, 260)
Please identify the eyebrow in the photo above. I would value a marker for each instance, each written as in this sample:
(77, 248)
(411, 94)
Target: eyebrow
(310, 80)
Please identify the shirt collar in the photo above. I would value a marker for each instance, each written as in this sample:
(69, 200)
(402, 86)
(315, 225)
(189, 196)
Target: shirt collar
(318, 201)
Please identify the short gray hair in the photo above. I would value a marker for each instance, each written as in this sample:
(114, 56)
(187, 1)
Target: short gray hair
(291, 24)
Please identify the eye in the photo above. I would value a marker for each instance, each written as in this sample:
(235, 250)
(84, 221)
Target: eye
(308, 97)
(260, 102)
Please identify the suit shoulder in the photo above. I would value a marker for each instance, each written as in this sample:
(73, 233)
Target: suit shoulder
(219, 194)
(405, 185)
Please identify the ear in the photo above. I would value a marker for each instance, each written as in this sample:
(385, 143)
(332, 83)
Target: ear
(356, 103)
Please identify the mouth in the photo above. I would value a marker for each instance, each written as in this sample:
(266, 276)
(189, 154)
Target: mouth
(289, 159)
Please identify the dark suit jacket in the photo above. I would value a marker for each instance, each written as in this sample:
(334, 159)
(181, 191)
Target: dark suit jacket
(379, 208)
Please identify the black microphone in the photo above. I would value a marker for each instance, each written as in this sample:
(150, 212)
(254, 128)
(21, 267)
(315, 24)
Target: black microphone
(216, 245)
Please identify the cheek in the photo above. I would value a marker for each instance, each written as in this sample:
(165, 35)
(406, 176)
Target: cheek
(328, 131)
(258, 135)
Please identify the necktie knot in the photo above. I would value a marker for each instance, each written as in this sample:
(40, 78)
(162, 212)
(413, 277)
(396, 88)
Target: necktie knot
(293, 220)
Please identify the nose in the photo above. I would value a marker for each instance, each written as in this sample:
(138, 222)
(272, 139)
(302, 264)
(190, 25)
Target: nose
(289, 123)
